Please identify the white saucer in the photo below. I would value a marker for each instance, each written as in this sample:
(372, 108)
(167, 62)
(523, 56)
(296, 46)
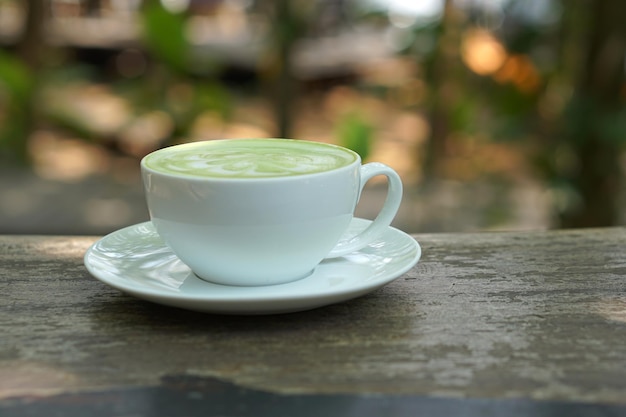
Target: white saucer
(136, 261)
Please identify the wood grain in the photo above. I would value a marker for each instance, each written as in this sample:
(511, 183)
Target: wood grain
(538, 315)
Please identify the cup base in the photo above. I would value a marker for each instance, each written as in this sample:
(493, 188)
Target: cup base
(252, 281)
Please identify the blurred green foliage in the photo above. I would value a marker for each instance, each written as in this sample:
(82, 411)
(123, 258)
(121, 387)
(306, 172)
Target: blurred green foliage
(17, 85)
(567, 111)
(355, 133)
(164, 36)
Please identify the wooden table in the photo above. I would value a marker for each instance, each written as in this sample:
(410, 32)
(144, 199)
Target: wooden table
(486, 324)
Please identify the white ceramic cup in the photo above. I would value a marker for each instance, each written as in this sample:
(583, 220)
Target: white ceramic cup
(254, 231)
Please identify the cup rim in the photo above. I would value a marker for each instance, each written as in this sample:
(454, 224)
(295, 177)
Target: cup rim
(192, 177)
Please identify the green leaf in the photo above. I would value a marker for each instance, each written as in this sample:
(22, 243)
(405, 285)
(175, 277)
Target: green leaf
(211, 96)
(15, 77)
(611, 125)
(356, 134)
(164, 34)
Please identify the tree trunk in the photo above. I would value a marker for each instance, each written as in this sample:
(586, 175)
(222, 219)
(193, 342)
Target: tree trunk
(282, 72)
(29, 50)
(599, 179)
(440, 73)
(29, 46)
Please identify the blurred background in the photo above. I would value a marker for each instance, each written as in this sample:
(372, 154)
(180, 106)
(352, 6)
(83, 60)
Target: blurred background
(498, 114)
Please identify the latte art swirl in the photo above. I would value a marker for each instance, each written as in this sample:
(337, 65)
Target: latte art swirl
(251, 164)
(254, 158)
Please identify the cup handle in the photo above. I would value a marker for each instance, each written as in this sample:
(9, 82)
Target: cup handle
(384, 218)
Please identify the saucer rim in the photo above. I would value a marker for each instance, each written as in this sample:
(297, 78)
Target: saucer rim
(247, 293)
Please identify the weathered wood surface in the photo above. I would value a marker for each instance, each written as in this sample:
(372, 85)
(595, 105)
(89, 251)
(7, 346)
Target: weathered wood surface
(538, 315)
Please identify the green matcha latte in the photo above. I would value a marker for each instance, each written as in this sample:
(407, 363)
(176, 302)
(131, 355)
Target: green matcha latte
(249, 158)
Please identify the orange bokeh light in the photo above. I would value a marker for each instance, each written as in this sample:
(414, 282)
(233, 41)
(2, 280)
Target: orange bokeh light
(519, 70)
(482, 52)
